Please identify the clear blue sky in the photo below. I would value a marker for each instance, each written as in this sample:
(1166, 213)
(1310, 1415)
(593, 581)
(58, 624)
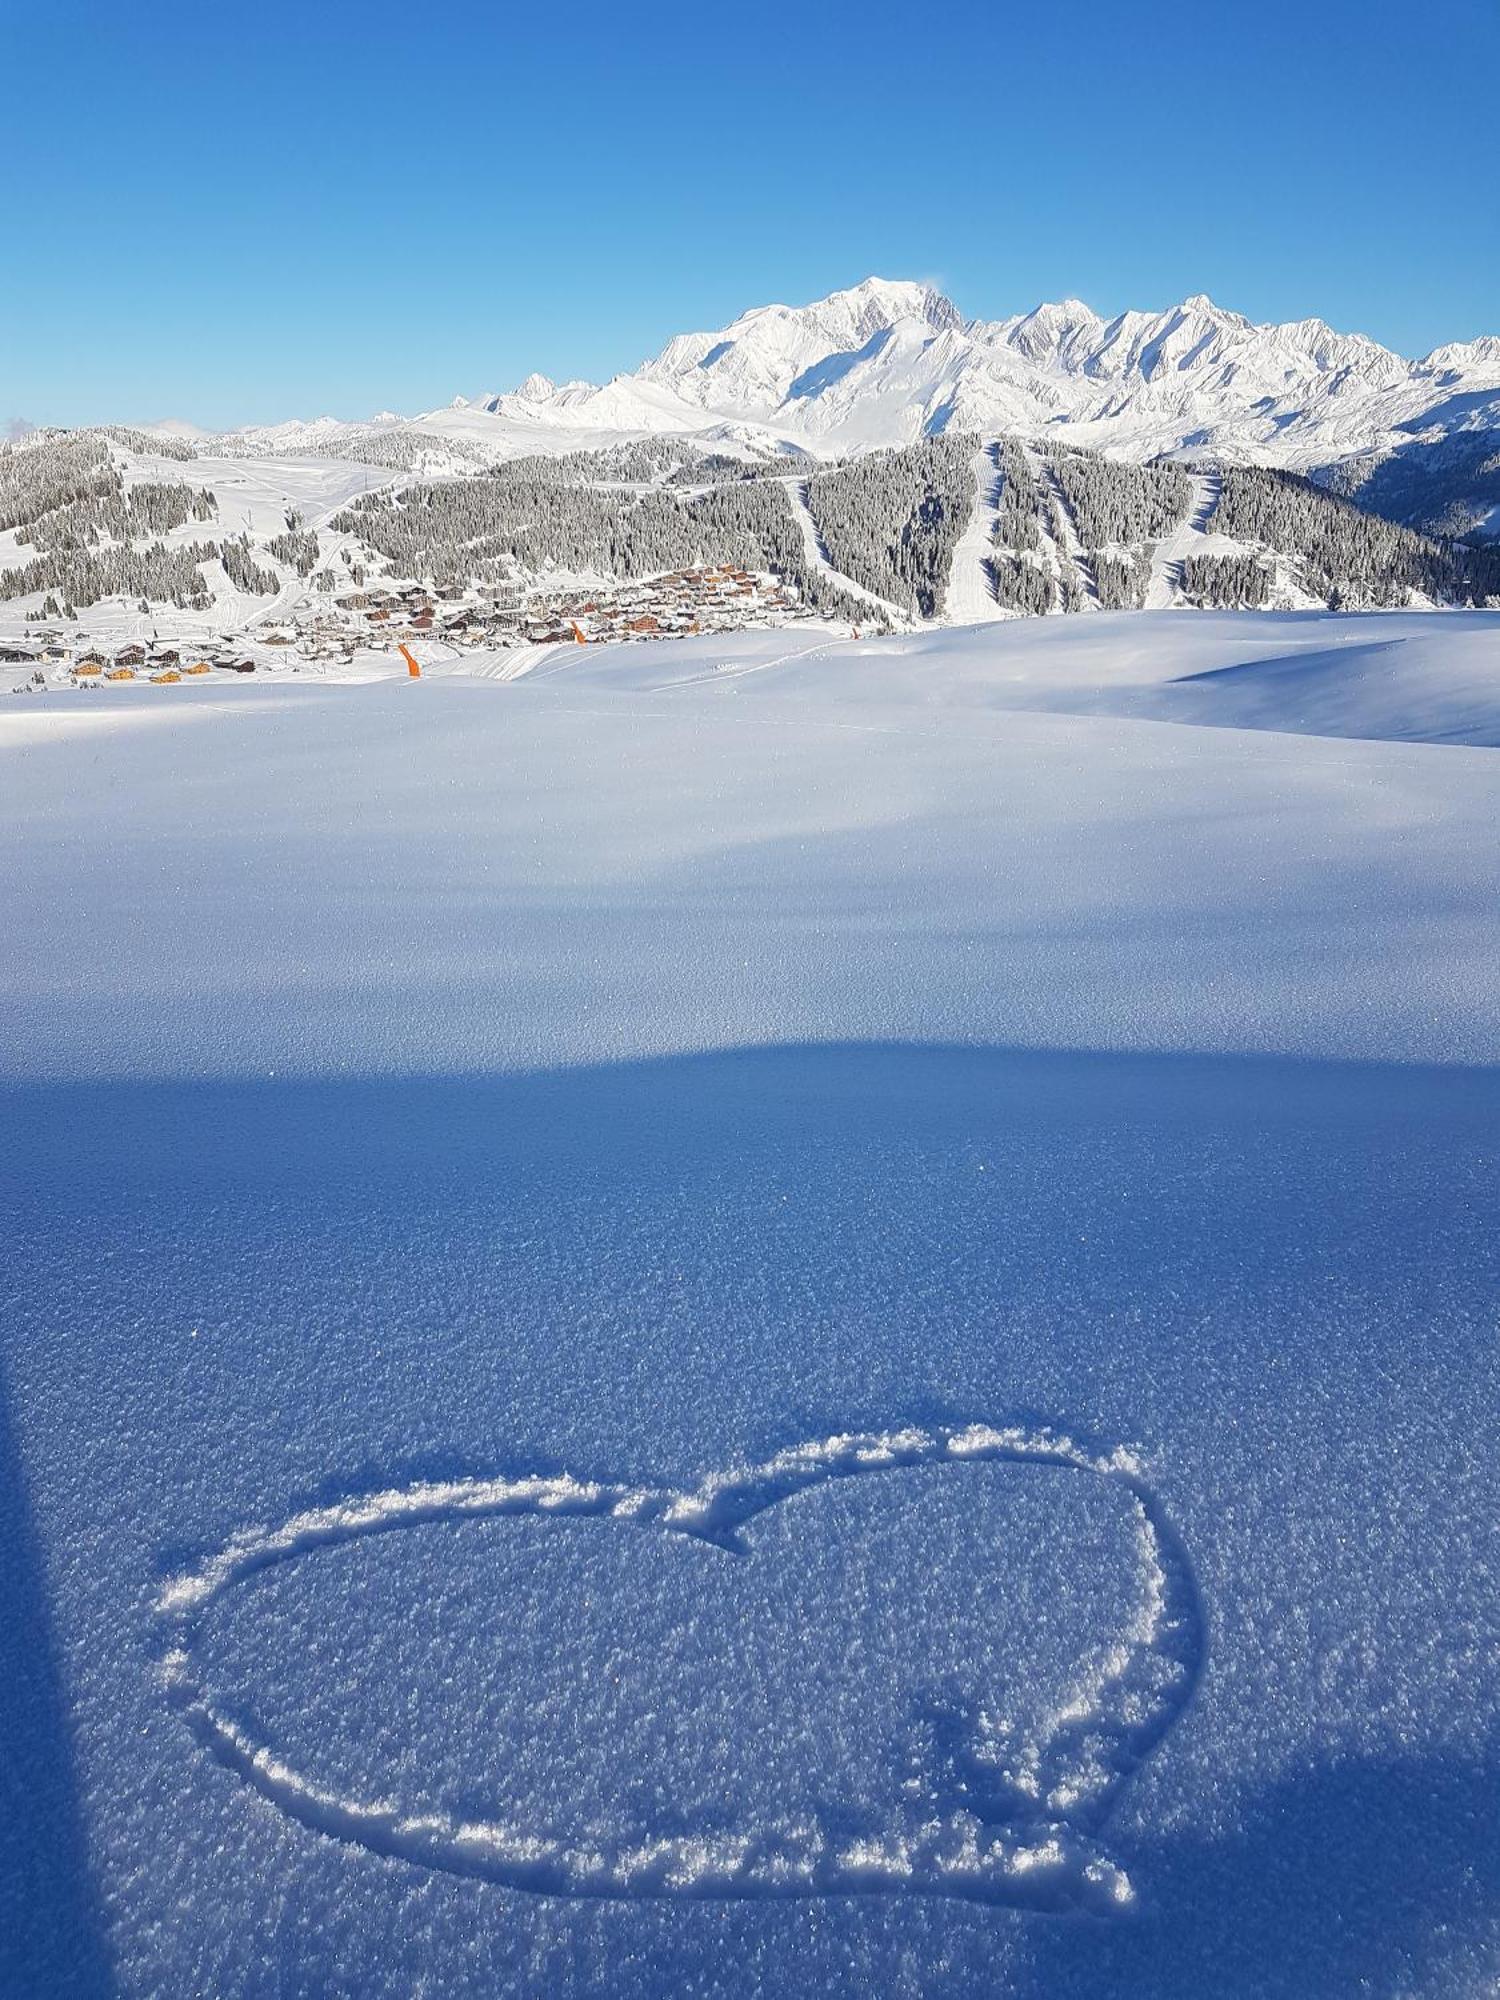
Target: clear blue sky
(240, 214)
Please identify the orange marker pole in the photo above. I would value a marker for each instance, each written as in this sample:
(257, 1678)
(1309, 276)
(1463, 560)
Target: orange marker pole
(411, 666)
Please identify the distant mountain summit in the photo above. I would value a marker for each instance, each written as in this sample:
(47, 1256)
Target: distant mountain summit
(887, 361)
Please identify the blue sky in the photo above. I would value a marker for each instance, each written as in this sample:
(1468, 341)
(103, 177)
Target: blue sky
(236, 215)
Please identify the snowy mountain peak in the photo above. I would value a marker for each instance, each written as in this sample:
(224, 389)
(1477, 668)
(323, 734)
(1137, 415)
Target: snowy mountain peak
(851, 316)
(878, 302)
(777, 355)
(1481, 356)
(1048, 333)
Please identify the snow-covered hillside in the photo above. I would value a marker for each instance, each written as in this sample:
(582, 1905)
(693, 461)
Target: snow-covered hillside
(114, 562)
(770, 1315)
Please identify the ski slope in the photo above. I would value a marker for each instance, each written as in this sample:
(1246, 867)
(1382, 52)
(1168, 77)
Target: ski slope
(817, 556)
(970, 598)
(1188, 540)
(764, 1314)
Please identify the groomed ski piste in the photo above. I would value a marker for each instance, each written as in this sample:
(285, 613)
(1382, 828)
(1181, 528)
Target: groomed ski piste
(762, 1314)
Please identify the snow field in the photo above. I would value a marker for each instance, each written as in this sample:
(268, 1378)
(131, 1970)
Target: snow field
(740, 1318)
(709, 843)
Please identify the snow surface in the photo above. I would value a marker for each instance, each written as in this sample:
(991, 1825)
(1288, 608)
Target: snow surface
(751, 1316)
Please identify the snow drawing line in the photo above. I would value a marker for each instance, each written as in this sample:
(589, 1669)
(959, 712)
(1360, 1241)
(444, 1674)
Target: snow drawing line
(1005, 1816)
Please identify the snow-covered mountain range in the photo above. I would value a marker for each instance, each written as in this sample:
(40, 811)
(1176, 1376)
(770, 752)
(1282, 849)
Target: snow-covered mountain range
(884, 363)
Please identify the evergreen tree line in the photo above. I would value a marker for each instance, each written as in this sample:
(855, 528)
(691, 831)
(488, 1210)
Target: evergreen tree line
(127, 514)
(245, 573)
(1022, 584)
(148, 443)
(1344, 555)
(892, 519)
(720, 468)
(1118, 513)
(1226, 583)
(1020, 500)
(521, 517)
(80, 576)
(1119, 506)
(63, 495)
(391, 447)
(53, 469)
(1070, 591)
(641, 462)
(297, 548)
(654, 461)
(1120, 581)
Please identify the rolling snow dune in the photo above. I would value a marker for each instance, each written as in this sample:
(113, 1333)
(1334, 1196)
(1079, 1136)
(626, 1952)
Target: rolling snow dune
(1413, 679)
(704, 844)
(759, 1315)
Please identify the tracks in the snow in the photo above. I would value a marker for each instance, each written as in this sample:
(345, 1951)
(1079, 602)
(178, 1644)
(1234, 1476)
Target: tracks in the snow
(1012, 1822)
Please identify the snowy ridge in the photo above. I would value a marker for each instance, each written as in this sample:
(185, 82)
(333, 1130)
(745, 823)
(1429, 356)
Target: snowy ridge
(1001, 1820)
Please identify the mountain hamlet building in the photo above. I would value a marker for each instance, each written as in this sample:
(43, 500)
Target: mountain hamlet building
(873, 460)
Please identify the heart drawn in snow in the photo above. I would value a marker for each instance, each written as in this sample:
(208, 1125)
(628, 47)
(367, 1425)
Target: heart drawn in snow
(804, 1697)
